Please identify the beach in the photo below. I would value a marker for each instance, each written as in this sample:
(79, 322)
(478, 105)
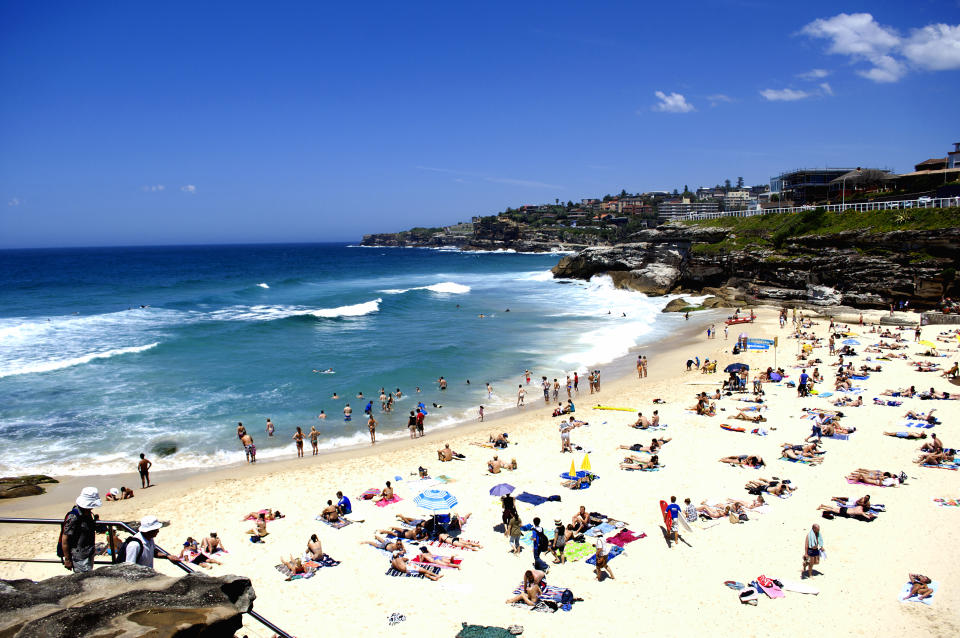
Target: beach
(668, 589)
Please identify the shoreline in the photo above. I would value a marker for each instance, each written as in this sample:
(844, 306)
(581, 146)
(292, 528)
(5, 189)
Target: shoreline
(62, 493)
(769, 543)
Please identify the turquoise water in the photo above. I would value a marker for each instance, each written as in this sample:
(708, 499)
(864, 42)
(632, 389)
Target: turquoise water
(89, 378)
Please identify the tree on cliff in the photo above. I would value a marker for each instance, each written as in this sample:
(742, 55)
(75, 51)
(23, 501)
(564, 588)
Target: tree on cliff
(739, 182)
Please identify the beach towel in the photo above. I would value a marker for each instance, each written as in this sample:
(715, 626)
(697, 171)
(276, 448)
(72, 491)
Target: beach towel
(919, 424)
(824, 395)
(251, 517)
(944, 466)
(803, 461)
(574, 551)
(851, 482)
(527, 538)
(541, 606)
(533, 499)
(624, 537)
(336, 525)
(905, 591)
(443, 478)
(481, 631)
(600, 530)
(644, 469)
(397, 573)
(325, 561)
(419, 559)
(947, 502)
(768, 587)
(369, 494)
(384, 503)
(839, 437)
(547, 592)
(612, 553)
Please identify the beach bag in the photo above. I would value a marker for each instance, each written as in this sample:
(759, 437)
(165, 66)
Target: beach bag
(122, 552)
(543, 544)
(566, 598)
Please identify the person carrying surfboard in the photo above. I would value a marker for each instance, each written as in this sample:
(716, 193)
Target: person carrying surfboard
(673, 510)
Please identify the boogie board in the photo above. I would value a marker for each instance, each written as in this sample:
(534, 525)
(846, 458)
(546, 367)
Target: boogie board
(607, 407)
(731, 428)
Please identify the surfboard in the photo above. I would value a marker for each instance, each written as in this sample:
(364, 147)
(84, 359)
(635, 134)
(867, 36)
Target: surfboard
(607, 407)
(684, 523)
(667, 519)
(731, 428)
(800, 588)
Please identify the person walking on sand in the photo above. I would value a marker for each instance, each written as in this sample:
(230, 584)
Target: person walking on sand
(298, 437)
(521, 395)
(644, 366)
(674, 510)
(480, 412)
(372, 425)
(78, 533)
(812, 549)
(143, 466)
(576, 382)
(639, 367)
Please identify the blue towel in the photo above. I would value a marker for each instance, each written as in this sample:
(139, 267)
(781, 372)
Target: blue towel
(600, 530)
(612, 553)
(533, 499)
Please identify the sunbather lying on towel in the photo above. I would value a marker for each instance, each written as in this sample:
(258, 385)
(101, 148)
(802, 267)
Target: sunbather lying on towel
(847, 402)
(776, 487)
(848, 512)
(436, 559)
(759, 502)
(417, 533)
(919, 586)
(831, 429)
(267, 514)
(759, 418)
(936, 458)
(747, 460)
(459, 542)
(655, 445)
(713, 512)
(579, 482)
(907, 435)
(876, 477)
(634, 462)
(384, 544)
(906, 392)
(296, 566)
(921, 416)
(401, 564)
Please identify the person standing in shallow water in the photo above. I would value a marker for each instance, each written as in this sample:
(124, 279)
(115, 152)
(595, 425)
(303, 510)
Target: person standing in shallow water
(372, 425)
(270, 428)
(298, 438)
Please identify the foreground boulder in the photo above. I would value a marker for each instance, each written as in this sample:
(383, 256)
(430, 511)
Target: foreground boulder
(17, 486)
(124, 601)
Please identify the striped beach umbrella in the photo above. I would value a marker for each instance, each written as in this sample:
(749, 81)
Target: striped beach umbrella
(435, 500)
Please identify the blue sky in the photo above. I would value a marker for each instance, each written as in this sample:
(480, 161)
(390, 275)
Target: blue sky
(136, 123)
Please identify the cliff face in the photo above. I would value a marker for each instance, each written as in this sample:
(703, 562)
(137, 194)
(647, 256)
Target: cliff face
(857, 268)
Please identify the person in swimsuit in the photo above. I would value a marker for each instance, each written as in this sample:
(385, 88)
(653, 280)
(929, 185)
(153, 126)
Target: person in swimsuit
(298, 438)
(296, 567)
(143, 467)
(314, 548)
(436, 559)
(382, 543)
(212, 544)
(270, 428)
(530, 591)
(313, 440)
(747, 460)
(401, 564)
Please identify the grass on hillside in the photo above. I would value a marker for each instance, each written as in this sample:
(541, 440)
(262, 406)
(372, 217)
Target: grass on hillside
(819, 221)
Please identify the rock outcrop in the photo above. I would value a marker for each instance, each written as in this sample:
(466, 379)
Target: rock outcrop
(17, 486)
(855, 268)
(124, 601)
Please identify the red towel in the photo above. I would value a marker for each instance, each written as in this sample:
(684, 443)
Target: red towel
(623, 537)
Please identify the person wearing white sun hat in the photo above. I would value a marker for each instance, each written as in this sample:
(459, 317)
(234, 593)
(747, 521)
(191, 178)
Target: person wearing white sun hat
(140, 548)
(77, 535)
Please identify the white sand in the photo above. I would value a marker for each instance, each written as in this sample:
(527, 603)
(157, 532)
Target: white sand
(658, 590)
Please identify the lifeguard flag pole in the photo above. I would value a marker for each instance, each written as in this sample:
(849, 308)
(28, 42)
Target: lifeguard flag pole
(586, 463)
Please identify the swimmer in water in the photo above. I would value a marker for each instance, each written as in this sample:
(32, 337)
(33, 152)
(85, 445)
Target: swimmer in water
(322, 416)
(437, 406)
(418, 389)
(335, 396)
(481, 315)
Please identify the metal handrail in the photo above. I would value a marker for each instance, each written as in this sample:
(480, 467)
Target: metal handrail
(115, 558)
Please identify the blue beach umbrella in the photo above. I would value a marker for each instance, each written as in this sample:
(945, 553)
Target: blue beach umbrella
(736, 366)
(850, 342)
(501, 490)
(435, 500)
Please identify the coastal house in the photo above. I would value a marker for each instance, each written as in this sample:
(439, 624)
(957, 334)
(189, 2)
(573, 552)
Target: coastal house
(806, 185)
(736, 200)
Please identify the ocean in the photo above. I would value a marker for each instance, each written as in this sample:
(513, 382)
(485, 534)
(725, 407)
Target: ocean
(109, 352)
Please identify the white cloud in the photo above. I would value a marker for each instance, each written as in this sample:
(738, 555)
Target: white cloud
(826, 88)
(14, 202)
(189, 188)
(784, 95)
(673, 103)
(935, 47)
(717, 98)
(814, 74)
(156, 188)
